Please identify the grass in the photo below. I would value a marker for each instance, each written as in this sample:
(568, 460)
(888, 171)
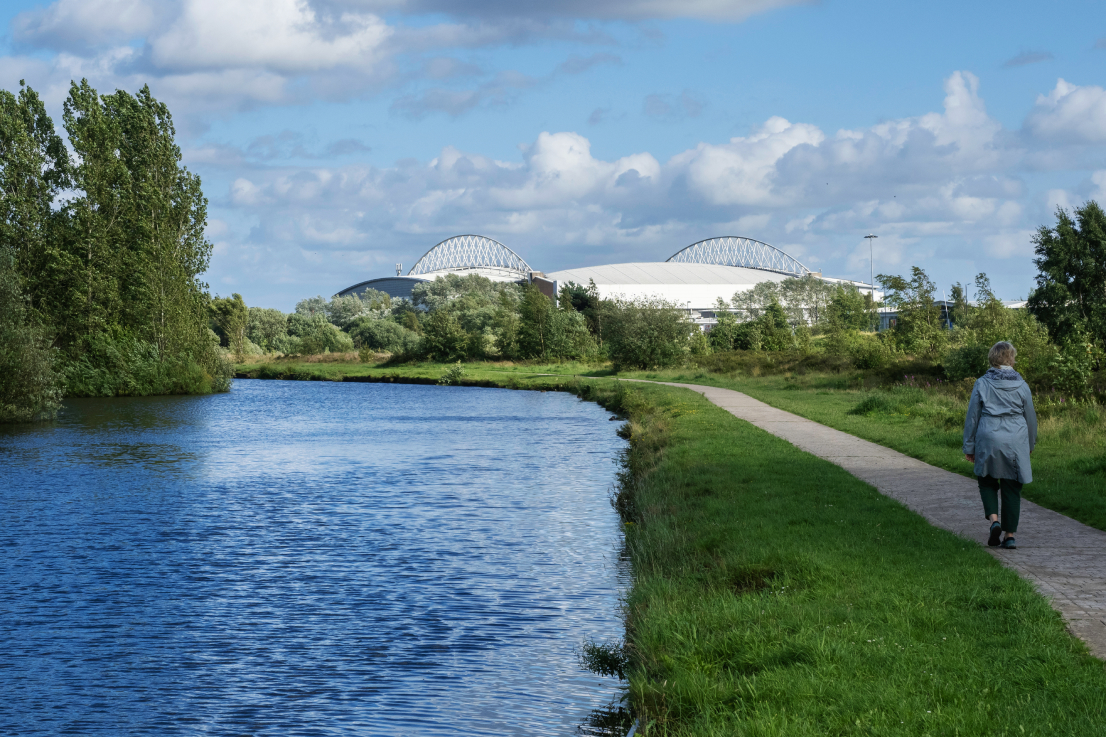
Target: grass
(925, 420)
(763, 604)
(766, 605)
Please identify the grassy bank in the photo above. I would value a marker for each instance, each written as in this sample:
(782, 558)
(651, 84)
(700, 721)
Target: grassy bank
(763, 604)
(925, 420)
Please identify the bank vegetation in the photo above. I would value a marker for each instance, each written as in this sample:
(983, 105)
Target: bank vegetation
(101, 250)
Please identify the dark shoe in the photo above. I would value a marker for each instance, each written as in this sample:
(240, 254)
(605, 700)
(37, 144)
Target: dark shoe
(1009, 544)
(996, 530)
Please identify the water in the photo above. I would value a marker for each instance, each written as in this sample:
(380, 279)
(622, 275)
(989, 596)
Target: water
(308, 559)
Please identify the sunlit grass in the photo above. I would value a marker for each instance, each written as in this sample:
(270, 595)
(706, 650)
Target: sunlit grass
(775, 594)
(926, 422)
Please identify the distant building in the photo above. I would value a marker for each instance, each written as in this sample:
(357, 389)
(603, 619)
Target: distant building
(695, 277)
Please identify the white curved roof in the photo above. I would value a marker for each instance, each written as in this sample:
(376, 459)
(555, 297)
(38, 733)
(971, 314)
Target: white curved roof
(666, 272)
(699, 285)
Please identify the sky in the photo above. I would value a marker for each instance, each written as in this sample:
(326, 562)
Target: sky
(337, 138)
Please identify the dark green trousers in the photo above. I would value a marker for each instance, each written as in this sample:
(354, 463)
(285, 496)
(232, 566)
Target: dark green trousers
(1011, 489)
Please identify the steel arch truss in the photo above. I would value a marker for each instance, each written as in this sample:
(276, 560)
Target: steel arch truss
(736, 251)
(469, 252)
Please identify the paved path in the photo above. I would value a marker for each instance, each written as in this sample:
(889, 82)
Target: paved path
(1065, 559)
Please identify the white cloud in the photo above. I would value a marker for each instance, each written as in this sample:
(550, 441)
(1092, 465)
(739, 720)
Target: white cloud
(1098, 179)
(1058, 198)
(724, 10)
(743, 171)
(1070, 114)
(84, 23)
(1010, 244)
(285, 36)
(936, 177)
(944, 186)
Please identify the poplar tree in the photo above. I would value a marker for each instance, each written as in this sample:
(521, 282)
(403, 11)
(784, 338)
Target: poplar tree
(33, 166)
(111, 277)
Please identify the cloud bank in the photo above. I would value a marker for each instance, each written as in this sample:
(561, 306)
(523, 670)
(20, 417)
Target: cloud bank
(948, 183)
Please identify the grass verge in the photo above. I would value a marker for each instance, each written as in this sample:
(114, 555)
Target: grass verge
(764, 604)
(925, 420)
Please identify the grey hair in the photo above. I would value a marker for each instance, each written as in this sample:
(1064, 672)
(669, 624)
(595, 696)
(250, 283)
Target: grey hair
(1002, 354)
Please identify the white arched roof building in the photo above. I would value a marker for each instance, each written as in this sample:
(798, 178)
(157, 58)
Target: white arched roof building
(697, 286)
(694, 277)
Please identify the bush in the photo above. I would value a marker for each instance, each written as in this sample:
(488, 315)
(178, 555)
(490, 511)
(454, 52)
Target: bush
(1072, 368)
(110, 366)
(383, 336)
(317, 335)
(868, 352)
(967, 362)
(646, 333)
(452, 376)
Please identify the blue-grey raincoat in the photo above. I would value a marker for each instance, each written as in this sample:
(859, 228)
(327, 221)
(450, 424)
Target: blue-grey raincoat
(1001, 427)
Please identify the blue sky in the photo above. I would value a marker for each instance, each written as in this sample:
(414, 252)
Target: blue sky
(336, 138)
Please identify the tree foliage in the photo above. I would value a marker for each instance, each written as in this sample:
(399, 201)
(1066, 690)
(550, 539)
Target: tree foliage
(29, 385)
(1070, 297)
(646, 333)
(111, 273)
(919, 328)
(232, 319)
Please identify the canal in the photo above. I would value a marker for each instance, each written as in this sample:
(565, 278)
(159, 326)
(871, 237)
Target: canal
(308, 558)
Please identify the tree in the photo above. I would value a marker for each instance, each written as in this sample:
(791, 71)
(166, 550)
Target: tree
(443, 338)
(918, 328)
(29, 387)
(751, 303)
(112, 273)
(849, 309)
(232, 318)
(505, 326)
(584, 300)
(805, 299)
(960, 306)
(311, 306)
(34, 168)
(646, 333)
(536, 323)
(266, 326)
(137, 229)
(1070, 297)
(775, 332)
(341, 311)
(724, 333)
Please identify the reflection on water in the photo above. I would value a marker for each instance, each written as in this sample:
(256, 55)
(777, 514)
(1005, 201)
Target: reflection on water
(308, 559)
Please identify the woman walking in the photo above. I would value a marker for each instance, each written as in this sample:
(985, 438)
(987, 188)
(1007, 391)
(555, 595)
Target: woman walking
(999, 434)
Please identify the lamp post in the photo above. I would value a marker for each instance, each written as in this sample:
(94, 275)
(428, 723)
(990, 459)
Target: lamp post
(872, 265)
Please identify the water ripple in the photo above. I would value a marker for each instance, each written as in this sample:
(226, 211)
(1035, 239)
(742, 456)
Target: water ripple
(308, 559)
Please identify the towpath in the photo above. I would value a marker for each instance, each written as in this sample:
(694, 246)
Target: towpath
(1065, 559)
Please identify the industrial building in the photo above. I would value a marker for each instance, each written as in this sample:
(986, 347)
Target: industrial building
(694, 277)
